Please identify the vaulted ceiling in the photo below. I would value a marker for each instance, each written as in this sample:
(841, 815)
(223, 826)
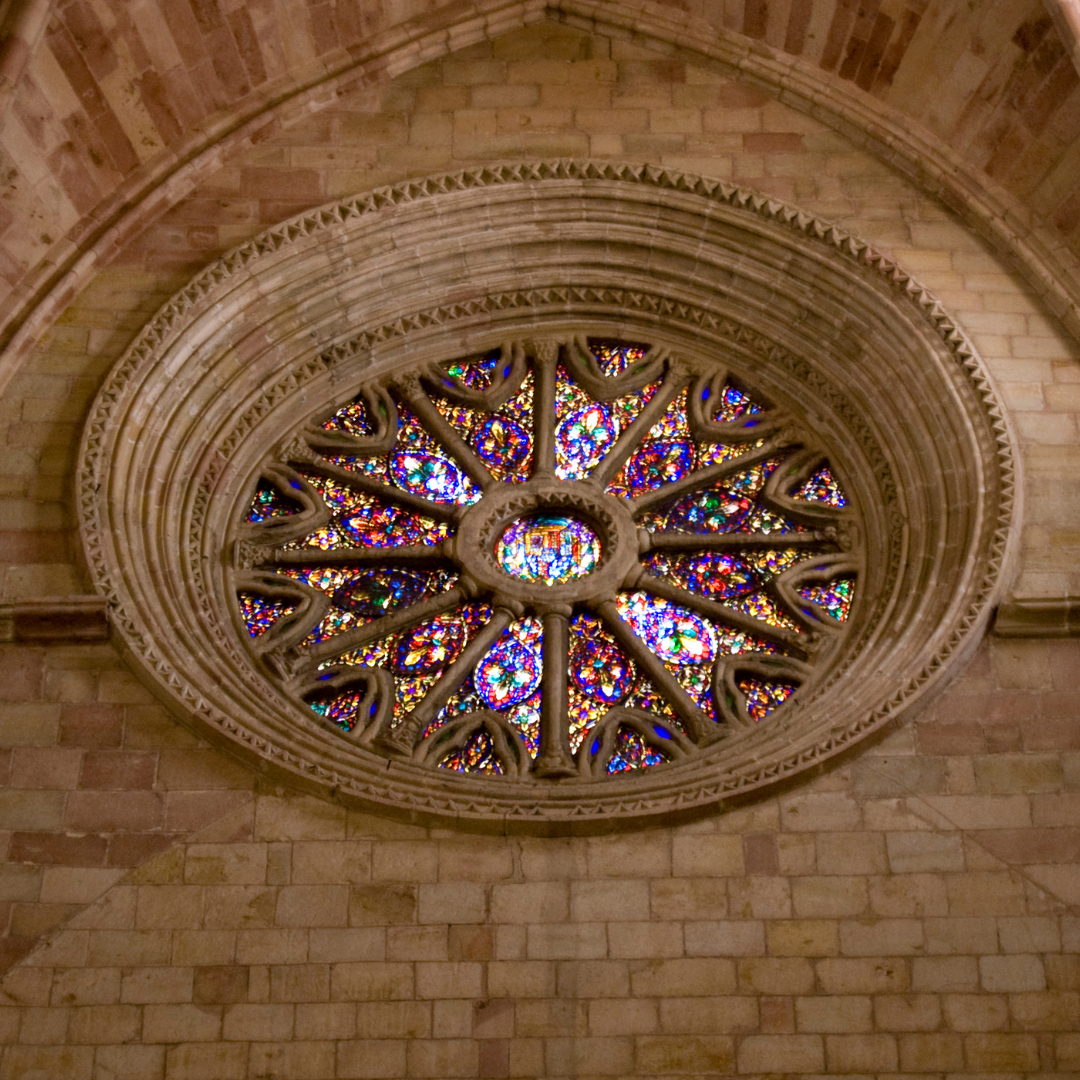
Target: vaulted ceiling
(110, 111)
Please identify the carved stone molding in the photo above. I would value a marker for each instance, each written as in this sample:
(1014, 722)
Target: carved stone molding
(55, 620)
(1046, 617)
(288, 326)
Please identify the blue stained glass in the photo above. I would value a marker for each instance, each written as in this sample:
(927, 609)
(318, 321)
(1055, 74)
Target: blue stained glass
(835, 597)
(339, 707)
(582, 439)
(417, 464)
(353, 419)
(733, 405)
(598, 667)
(375, 592)
(508, 675)
(269, 503)
(477, 372)
(675, 634)
(823, 488)
(632, 752)
(433, 476)
(715, 510)
(658, 462)
(487, 688)
(502, 443)
(587, 429)
(372, 523)
(261, 612)
(764, 696)
(476, 756)
(715, 574)
(430, 647)
(526, 718)
(614, 357)
(548, 548)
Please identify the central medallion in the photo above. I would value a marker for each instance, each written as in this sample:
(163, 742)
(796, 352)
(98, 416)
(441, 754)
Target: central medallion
(548, 548)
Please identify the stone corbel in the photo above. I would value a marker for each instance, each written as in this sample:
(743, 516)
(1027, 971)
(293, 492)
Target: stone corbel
(1045, 617)
(55, 620)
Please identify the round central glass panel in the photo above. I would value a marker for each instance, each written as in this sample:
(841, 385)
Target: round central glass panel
(548, 547)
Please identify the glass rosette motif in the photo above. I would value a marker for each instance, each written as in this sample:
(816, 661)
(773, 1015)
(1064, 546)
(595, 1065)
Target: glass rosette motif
(734, 564)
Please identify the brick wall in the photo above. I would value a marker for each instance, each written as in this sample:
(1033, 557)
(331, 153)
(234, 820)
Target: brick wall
(916, 911)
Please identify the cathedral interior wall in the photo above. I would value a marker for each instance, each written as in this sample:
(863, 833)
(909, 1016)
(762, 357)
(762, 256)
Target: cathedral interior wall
(171, 913)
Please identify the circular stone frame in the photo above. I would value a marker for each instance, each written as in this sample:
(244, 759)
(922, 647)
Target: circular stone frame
(222, 380)
(481, 524)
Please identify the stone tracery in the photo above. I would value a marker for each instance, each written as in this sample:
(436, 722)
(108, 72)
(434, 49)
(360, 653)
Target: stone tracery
(470, 621)
(842, 326)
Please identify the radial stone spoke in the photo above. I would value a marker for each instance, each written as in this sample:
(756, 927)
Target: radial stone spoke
(545, 363)
(702, 729)
(414, 556)
(370, 486)
(642, 424)
(402, 740)
(388, 624)
(704, 477)
(435, 422)
(554, 760)
(789, 639)
(677, 541)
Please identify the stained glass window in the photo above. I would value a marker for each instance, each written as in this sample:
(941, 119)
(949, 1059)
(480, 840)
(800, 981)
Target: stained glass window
(588, 560)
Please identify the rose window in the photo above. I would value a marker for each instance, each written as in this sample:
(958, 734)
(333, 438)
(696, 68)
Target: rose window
(555, 560)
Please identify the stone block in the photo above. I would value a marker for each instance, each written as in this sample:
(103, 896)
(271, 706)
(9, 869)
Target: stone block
(382, 905)
(864, 976)
(301, 1060)
(521, 979)
(590, 979)
(222, 1061)
(643, 855)
(834, 1013)
(143, 986)
(887, 937)
(802, 937)
(1052, 1011)
(995, 1052)
(633, 940)
(567, 941)
(781, 1054)
(1012, 974)
(371, 982)
(861, 1053)
(724, 938)
(100, 1024)
(248, 1021)
(300, 982)
(302, 817)
(336, 945)
(608, 901)
(312, 905)
(181, 1023)
(391, 1019)
(371, 1059)
(623, 1017)
(833, 896)
(924, 852)
(667, 1054)
(1030, 934)
(688, 977)
(448, 980)
(907, 1012)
